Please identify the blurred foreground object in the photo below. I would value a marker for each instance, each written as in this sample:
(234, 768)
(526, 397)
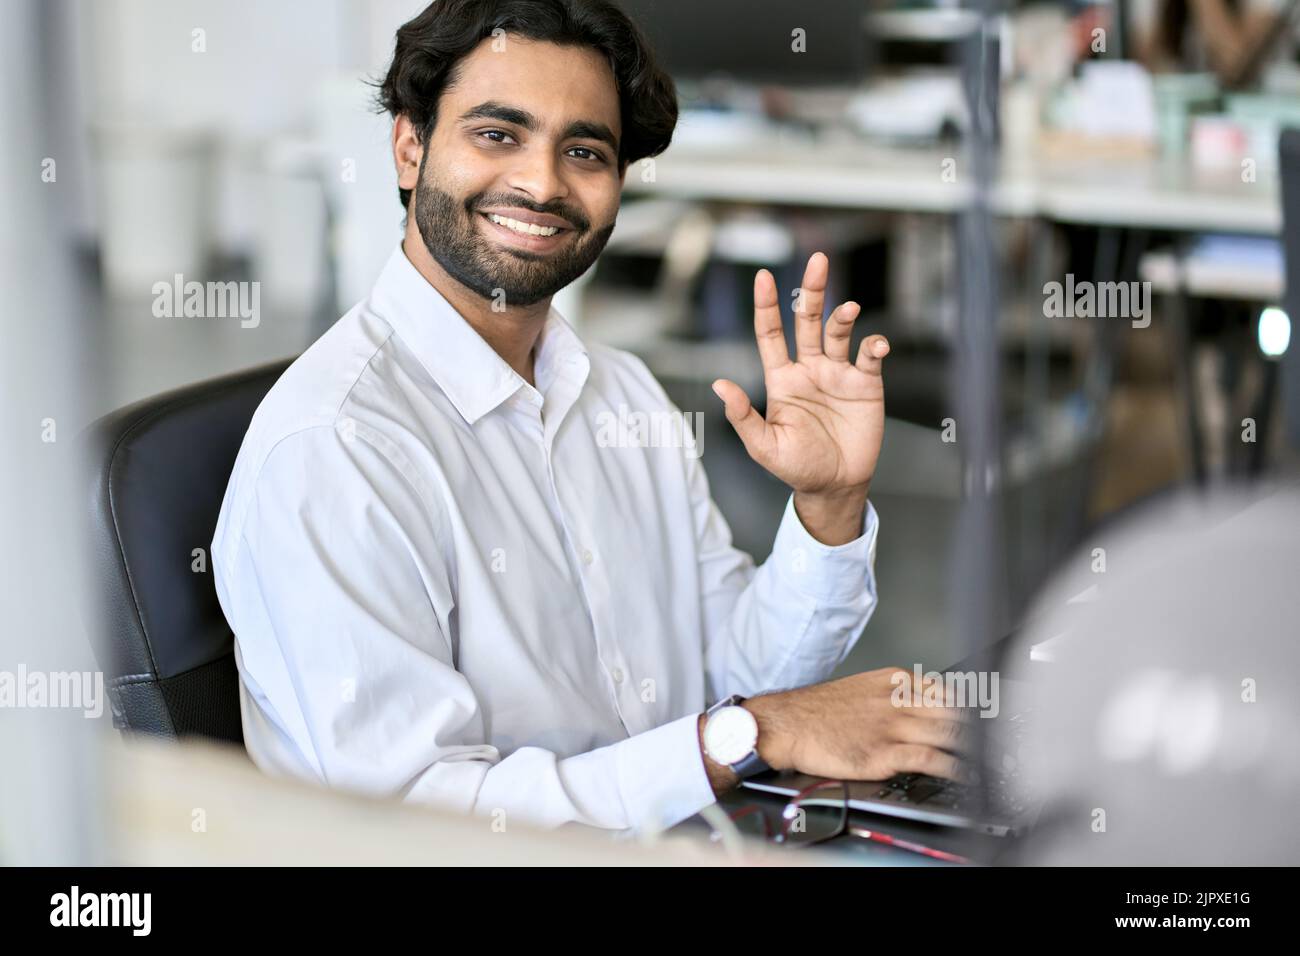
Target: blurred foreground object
(1167, 731)
(204, 804)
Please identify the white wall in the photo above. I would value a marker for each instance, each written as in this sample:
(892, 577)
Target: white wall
(271, 69)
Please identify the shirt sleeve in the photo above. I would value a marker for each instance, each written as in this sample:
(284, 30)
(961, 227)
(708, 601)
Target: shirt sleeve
(338, 593)
(789, 622)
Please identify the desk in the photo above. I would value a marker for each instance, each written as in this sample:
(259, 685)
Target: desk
(1148, 194)
(199, 803)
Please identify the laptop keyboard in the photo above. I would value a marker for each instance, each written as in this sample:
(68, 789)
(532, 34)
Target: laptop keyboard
(1006, 786)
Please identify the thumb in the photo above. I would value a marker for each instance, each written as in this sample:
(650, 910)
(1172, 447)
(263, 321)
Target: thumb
(749, 424)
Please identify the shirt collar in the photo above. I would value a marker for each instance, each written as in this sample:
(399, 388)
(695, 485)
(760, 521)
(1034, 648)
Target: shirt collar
(468, 370)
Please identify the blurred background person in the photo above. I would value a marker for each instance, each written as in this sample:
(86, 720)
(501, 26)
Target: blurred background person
(1233, 39)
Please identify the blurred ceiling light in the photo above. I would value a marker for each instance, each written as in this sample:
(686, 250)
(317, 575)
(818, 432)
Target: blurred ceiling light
(1274, 331)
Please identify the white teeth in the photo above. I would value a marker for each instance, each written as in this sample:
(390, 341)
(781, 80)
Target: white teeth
(529, 229)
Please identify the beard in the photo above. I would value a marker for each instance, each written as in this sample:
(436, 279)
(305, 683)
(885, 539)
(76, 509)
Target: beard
(447, 226)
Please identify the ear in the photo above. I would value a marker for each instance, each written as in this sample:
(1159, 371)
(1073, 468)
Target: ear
(407, 152)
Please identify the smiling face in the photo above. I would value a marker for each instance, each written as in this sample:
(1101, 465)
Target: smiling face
(518, 186)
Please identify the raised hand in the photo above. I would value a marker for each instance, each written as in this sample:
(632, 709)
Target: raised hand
(825, 413)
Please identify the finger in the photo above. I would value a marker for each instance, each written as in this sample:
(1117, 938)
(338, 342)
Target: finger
(870, 353)
(767, 322)
(749, 424)
(919, 758)
(809, 299)
(930, 693)
(932, 708)
(955, 736)
(839, 330)
(938, 697)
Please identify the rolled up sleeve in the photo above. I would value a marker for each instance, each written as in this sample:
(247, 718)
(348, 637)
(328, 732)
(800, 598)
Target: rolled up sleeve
(789, 622)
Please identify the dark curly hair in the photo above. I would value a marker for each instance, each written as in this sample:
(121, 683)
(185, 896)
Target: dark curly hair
(430, 46)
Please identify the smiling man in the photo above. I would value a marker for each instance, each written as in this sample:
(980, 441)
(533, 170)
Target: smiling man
(444, 588)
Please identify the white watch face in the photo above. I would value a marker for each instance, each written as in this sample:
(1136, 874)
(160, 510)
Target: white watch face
(730, 735)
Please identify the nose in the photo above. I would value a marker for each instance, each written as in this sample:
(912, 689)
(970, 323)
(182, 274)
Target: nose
(538, 174)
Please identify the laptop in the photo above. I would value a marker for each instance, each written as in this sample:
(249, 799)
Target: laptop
(926, 799)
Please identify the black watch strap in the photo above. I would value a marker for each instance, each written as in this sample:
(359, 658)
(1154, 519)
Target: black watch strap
(750, 766)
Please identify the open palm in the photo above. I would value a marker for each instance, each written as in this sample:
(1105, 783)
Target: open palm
(825, 414)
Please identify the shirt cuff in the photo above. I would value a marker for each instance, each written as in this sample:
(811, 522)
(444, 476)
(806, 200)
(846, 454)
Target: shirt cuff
(827, 573)
(661, 775)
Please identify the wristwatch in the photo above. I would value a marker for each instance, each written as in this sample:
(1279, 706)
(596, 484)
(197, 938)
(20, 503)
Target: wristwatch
(731, 737)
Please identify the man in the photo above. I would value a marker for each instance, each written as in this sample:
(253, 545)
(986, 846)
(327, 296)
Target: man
(444, 588)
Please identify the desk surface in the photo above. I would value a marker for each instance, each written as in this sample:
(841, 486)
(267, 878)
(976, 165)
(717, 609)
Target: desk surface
(201, 803)
(157, 790)
(1144, 193)
(978, 848)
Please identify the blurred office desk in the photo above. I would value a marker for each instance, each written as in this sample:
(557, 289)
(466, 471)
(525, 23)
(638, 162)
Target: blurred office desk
(1119, 197)
(202, 804)
(1218, 271)
(1155, 194)
(841, 175)
(1149, 193)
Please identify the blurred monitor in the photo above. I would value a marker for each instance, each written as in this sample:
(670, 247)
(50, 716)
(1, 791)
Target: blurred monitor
(903, 36)
(751, 40)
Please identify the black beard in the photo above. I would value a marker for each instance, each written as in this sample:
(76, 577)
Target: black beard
(523, 278)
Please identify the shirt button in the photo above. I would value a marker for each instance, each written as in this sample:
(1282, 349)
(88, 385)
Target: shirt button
(587, 556)
(617, 675)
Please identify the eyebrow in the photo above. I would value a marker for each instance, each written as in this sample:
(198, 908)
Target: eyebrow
(578, 129)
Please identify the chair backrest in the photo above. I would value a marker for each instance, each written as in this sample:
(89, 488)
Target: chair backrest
(158, 473)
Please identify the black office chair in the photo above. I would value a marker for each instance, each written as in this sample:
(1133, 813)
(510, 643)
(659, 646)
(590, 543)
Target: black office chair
(158, 473)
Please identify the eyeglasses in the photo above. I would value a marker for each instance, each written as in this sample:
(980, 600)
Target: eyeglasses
(818, 814)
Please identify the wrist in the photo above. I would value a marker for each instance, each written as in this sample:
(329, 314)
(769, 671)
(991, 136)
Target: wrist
(721, 777)
(776, 737)
(833, 517)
